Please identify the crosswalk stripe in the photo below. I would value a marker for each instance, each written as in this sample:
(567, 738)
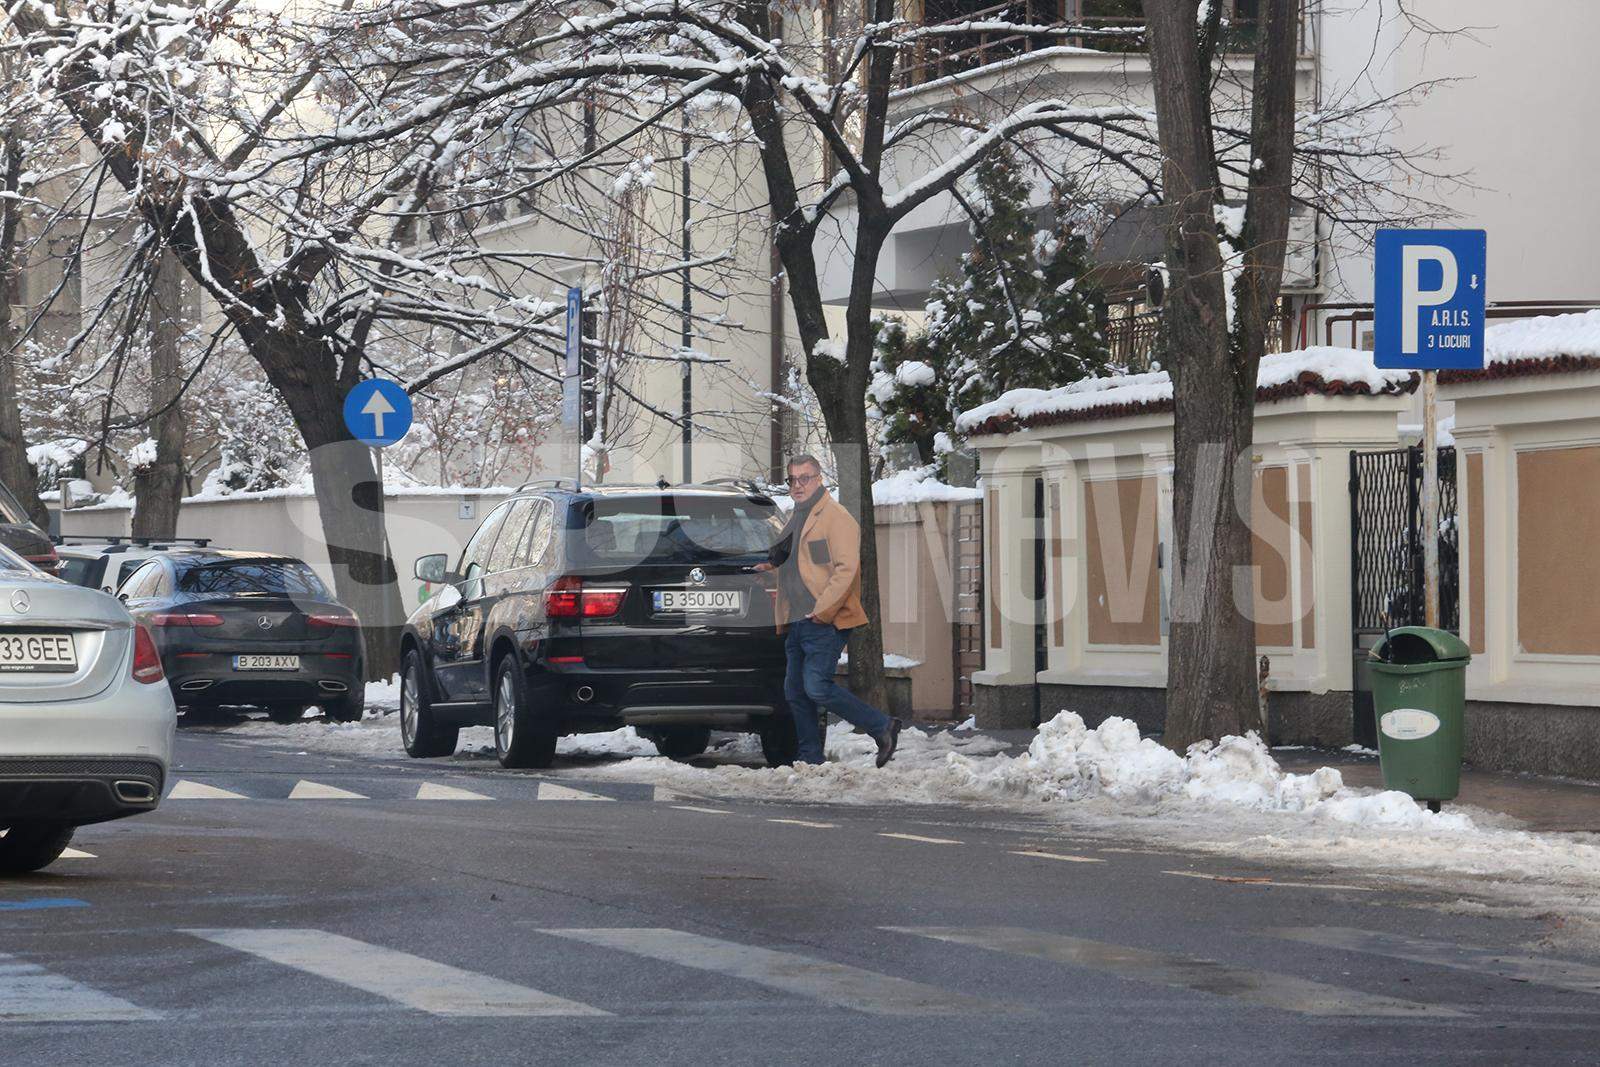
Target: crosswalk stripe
(187, 790)
(805, 822)
(308, 790)
(1282, 991)
(702, 811)
(833, 983)
(551, 791)
(1563, 974)
(77, 854)
(663, 794)
(439, 791)
(31, 994)
(1056, 856)
(924, 840)
(425, 985)
(1263, 880)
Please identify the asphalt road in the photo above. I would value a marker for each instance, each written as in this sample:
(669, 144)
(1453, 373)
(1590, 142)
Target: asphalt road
(503, 918)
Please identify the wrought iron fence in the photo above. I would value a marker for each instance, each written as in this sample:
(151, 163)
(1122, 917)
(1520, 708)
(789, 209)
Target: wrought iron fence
(1386, 540)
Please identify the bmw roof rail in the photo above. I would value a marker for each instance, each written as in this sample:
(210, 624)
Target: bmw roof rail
(557, 483)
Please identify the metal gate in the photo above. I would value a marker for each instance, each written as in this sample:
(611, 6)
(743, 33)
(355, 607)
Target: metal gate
(966, 552)
(1386, 573)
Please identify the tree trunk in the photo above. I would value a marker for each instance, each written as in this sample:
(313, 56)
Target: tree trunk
(15, 472)
(158, 487)
(1211, 685)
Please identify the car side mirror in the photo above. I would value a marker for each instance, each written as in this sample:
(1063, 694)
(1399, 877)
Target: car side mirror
(435, 570)
(122, 597)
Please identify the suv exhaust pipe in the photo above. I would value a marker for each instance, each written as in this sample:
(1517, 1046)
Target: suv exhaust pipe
(135, 792)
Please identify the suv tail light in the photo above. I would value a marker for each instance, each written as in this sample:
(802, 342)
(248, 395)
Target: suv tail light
(332, 621)
(181, 618)
(146, 660)
(566, 598)
(48, 562)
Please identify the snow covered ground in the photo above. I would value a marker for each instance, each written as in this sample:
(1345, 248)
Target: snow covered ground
(1231, 799)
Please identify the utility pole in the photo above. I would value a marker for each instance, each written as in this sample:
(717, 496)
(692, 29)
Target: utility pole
(688, 322)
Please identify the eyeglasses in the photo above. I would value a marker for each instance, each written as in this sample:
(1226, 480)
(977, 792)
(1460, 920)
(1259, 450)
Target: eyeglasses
(803, 479)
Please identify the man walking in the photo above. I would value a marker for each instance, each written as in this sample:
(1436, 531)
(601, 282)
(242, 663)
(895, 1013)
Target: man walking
(818, 560)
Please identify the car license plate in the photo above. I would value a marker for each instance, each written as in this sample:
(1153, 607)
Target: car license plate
(699, 601)
(28, 653)
(266, 663)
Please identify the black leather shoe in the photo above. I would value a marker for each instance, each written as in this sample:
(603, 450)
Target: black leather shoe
(889, 742)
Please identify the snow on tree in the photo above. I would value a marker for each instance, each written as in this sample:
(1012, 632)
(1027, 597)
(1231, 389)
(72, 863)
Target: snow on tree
(1021, 312)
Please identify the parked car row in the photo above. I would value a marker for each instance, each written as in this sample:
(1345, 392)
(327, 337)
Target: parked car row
(568, 611)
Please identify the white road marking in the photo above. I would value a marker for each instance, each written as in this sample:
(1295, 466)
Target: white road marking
(1282, 991)
(439, 791)
(703, 811)
(1263, 880)
(833, 983)
(308, 790)
(551, 791)
(662, 793)
(924, 840)
(1563, 974)
(423, 984)
(31, 994)
(77, 854)
(1057, 856)
(187, 790)
(805, 822)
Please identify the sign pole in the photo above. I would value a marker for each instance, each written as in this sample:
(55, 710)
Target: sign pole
(1430, 498)
(1428, 309)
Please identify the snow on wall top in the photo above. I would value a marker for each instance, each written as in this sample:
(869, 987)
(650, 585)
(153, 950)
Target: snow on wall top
(1547, 344)
(1321, 369)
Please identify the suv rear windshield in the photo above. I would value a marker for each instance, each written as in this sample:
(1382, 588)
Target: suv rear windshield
(282, 576)
(676, 529)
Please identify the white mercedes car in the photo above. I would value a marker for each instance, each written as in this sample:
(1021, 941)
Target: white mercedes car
(86, 718)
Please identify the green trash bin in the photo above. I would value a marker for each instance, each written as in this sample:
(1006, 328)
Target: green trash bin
(1419, 695)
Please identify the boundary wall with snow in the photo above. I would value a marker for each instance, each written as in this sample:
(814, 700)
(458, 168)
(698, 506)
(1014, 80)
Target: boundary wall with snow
(1102, 454)
(1528, 437)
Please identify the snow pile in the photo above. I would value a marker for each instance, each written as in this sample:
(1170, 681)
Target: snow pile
(917, 485)
(1350, 366)
(1544, 337)
(1067, 763)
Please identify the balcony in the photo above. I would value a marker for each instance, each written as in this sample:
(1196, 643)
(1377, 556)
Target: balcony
(1114, 26)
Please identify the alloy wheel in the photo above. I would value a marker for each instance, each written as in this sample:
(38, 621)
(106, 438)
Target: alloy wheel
(505, 712)
(408, 706)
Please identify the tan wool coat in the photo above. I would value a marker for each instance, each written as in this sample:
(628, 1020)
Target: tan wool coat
(829, 551)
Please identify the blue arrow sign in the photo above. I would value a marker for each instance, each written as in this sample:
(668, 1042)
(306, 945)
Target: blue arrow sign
(1428, 299)
(377, 412)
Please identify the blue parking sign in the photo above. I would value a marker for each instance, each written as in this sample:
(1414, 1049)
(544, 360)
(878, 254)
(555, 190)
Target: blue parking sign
(1429, 299)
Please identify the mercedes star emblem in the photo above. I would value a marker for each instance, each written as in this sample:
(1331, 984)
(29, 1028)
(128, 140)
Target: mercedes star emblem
(697, 576)
(21, 602)
(264, 622)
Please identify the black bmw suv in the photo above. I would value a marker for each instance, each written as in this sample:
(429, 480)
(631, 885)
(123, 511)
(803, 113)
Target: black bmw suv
(581, 611)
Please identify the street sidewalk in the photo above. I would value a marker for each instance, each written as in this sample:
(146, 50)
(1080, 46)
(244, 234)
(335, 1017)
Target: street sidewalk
(1540, 804)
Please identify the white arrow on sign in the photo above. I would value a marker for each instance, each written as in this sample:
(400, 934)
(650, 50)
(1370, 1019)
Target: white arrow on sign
(377, 406)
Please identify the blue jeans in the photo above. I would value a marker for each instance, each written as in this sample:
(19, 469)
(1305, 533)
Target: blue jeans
(813, 650)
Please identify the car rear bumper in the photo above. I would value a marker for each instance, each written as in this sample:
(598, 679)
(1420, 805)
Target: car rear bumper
(589, 700)
(213, 681)
(64, 762)
(78, 789)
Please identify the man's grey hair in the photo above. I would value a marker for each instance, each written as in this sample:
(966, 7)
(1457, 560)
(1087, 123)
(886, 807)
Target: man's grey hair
(805, 459)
